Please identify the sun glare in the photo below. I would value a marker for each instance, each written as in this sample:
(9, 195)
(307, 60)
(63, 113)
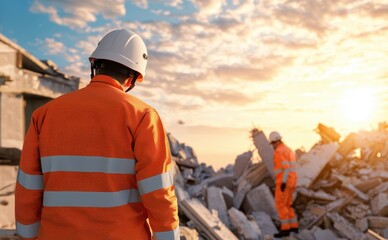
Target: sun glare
(358, 105)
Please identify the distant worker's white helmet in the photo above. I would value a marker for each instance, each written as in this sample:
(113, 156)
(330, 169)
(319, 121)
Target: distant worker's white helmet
(274, 136)
(124, 47)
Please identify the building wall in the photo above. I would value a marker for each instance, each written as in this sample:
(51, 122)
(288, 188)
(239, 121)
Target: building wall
(22, 91)
(8, 59)
(11, 120)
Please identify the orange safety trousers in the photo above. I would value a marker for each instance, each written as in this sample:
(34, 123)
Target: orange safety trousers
(284, 167)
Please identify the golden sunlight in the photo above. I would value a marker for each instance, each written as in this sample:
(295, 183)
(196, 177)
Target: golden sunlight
(358, 105)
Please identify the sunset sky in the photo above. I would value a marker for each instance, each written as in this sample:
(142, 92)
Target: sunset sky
(217, 68)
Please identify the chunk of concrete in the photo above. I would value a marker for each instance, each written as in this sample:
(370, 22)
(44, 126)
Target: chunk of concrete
(260, 199)
(362, 224)
(215, 201)
(320, 234)
(206, 222)
(243, 226)
(265, 223)
(378, 222)
(228, 196)
(242, 163)
(345, 227)
(264, 148)
(187, 233)
(366, 185)
(7, 196)
(312, 163)
(379, 204)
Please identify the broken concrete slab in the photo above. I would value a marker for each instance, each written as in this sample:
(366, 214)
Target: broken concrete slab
(377, 222)
(7, 197)
(379, 189)
(312, 163)
(323, 234)
(242, 163)
(187, 233)
(228, 196)
(362, 224)
(379, 204)
(345, 227)
(359, 194)
(260, 199)
(264, 148)
(206, 222)
(368, 184)
(318, 195)
(328, 134)
(250, 179)
(215, 201)
(243, 226)
(265, 223)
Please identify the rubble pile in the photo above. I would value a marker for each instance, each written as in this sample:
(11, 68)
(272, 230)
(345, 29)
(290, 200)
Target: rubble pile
(342, 190)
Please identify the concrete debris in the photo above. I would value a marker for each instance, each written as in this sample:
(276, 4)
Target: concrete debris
(216, 201)
(342, 190)
(247, 229)
(263, 195)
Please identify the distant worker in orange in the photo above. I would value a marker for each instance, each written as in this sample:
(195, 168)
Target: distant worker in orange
(96, 162)
(285, 181)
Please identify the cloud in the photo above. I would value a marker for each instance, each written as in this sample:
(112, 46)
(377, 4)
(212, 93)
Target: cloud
(141, 3)
(250, 58)
(376, 10)
(78, 13)
(53, 46)
(207, 8)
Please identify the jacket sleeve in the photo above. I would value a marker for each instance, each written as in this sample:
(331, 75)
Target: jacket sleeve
(29, 187)
(281, 165)
(154, 176)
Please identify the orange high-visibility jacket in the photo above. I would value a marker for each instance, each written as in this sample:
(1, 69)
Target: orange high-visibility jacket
(96, 164)
(285, 166)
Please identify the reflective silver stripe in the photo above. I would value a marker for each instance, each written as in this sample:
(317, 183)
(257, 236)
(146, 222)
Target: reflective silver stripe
(31, 182)
(27, 231)
(285, 221)
(88, 164)
(90, 199)
(293, 220)
(278, 171)
(288, 164)
(169, 235)
(151, 184)
(285, 175)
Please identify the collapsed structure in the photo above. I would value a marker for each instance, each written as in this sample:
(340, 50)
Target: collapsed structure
(342, 190)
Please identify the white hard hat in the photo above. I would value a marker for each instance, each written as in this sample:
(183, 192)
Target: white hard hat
(124, 47)
(274, 136)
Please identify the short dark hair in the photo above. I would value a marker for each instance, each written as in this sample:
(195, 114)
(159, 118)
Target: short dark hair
(113, 69)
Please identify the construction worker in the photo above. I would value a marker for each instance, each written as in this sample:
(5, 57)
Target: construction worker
(96, 162)
(285, 182)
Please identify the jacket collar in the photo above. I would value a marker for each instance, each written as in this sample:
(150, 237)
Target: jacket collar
(108, 80)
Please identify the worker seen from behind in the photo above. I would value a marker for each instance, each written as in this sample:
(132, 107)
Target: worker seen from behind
(96, 162)
(285, 182)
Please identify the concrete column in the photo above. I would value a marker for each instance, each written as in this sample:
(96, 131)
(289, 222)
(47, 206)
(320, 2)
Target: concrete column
(11, 120)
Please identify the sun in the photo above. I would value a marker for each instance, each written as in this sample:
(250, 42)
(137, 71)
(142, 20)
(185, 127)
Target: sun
(358, 105)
